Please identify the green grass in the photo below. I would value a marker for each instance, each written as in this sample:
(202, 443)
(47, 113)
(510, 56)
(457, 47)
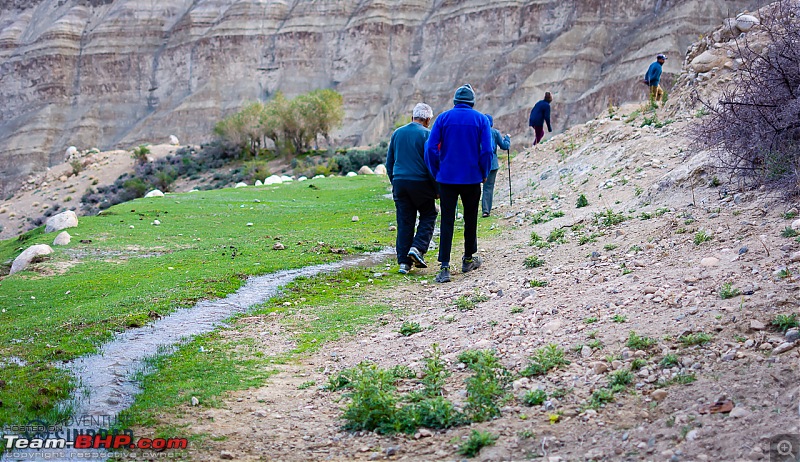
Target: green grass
(557, 236)
(609, 218)
(123, 274)
(610, 247)
(590, 320)
(701, 237)
(728, 291)
(534, 397)
(533, 262)
(670, 360)
(477, 440)
(637, 342)
(784, 322)
(410, 328)
(698, 338)
(582, 202)
(789, 232)
(619, 318)
(544, 360)
(469, 302)
(538, 283)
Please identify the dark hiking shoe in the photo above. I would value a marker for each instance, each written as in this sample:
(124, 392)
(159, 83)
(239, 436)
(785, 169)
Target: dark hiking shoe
(416, 255)
(444, 275)
(485, 215)
(469, 264)
(404, 268)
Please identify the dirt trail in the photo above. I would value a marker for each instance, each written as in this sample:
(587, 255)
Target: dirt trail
(646, 270)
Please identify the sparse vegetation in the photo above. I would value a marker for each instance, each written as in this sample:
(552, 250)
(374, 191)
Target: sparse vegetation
(557, 236)
(637, 342)
(669, 360)
(140, 153)
(477, 440)
(582, 201)
(728, 291)
(610, 247)
(533, 262)
(701, 237)
(410, 328)
(534, 397)
(609, 218)
(538, 283)
(619, 318)
(784, 322)
(698, 338)
(469, 302)
(545, 359)
(789, 232)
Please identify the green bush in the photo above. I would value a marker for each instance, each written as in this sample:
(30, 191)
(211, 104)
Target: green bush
(545, 359)
(582, 201)
(477, 441)
(534, 397)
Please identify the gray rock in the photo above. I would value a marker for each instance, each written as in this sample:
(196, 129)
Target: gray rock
(365, 170)
(26, 257)
(739, 412)
(278, 246)
(709, 261)
(391, 451)
(783, 348)
(586, 351)
(743, 250)
(63, 238)
(61, 221)
(226, 455)
(757, 325)
(792, 335)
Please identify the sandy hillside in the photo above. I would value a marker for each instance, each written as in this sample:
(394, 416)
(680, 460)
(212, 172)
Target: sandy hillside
(650, 274)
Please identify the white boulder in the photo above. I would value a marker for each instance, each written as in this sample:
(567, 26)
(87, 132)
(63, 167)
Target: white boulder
(173, 140)
(154, 193)
(63, 238)
(286, 179)
(25, 258)
(240, 185)
(380, 170)
(365, 170)
(61, 221)
(745, 22)
(72, 151)
(351, 174)
(317, 177)
(302, 178)
(274, 179)
(708, 60)
(796, 225)
(259, 183)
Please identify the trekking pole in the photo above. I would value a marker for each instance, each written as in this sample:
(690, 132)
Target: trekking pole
(510, 200)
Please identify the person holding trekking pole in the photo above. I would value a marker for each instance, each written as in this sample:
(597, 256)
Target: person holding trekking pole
(488, 185)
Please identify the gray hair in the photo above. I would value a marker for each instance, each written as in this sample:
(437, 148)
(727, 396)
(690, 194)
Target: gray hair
(422, 111)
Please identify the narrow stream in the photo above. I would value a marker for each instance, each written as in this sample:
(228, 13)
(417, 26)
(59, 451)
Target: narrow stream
(106, 385)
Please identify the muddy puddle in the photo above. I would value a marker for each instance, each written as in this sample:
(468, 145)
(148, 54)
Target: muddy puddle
(106, 379)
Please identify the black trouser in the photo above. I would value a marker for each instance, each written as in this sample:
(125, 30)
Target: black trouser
(470, 198)
(411, 197)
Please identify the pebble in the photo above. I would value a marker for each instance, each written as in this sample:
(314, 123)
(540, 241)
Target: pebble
(599, 368)
(586, 351)
(765, 346)
(792, 335)
(226, 455)
(391, 451)
(796, 225)
(354, 219)
(739, 412)
(709, 261)
(650, 290)
(743, 250)
(795, 257)
(156, 222)
(783, 348)
(392, 228)
(261, 413)
(195, 401)
(278, 246)
(691, 436)
(658, 395)
(757, 325)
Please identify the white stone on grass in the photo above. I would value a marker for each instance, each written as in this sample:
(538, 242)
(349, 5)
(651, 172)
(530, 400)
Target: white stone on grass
(351, 174)
(154, 193)
(240, 185)
(380, 170)
(26, 257)
(259, 183)
(365, 170)
(61, 221)
(173, 140)
(63, 238)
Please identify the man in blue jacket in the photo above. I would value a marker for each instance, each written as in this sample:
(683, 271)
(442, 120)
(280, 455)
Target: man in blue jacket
(413, 188)
(540, 114)
(653, 78)
(459, 156)
(488, 186)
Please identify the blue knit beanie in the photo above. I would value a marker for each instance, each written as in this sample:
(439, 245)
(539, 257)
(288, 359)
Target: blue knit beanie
(464, 95)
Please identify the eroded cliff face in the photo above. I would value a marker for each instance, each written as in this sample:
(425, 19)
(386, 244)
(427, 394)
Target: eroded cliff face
(114, 73)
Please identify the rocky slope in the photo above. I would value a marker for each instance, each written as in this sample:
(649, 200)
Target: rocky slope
(112, 74)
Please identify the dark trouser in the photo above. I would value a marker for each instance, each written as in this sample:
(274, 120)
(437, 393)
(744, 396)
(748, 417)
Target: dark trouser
(539, 134)
(411, 197)
(488, 192)
(470, 197)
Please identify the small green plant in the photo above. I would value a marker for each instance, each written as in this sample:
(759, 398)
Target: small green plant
(619, 318)
(306, 385)
(637, 191)
(680, 379)
(740, 338)
(789, 232)
(625, 269)
(728, 291)
(517, 309)
(591, 335)
(77, 166)
(784, 322)
(669, 360)
(469, 302)
(702, 236)
(587, 238)
(557, 236)
(790, 215)
(637, 364)
(533, 262)
(590, 320)
(402, 371)
(545, 359)
(645, 216)
(410, 328)
(622, 377)
(633, 115)
(609, 218)
(715, 182)
(635, 249)
(784, 273)
(582, 201)
(537, 241)
(477, 440)
(434, 373)
(486, 387)
(701, 112)
(526, 434)
(534, 397)
(538, 283)
(637, 342)
(595, 344)
(610, 247)
(140, 153)
(699, 338)
(600, 397)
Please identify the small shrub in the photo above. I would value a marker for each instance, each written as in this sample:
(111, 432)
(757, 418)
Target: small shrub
(619, 318)
(600, 397)
(728, 291)
(702, 236)
(637, 364)
(469, 302)
(306, 385)
(784, 322)
(373, 403)
(669, 360)
(410, 328)
(533, 262)
(590, 320)
(538, 283)
(699, 338)
(621, 377)
(789, 232)
(582, 201)
(609, 218)
(477, 440)
(544, 360)
(534, 397)
(595, 344)
(435, 373)
(557, 236)
(403, 372)
(609, 247)
(637, 342)
(77, 166)
(140, 153)
(587, 238)
(486, 387)
(516, 310)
